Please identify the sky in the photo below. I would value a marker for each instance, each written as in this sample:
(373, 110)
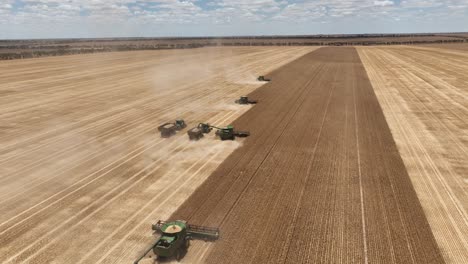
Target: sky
(22, 19)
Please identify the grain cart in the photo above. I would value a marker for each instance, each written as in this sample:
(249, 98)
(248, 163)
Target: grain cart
(167, 130)
(175, 238)
(243, 100)
(262, 78)
(196, 133)
(170, 129)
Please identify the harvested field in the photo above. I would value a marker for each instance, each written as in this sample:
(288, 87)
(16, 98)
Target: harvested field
(454, 46)
(319, 181)
(83, 171)
(424, 95)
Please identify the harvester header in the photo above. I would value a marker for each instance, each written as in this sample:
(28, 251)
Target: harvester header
(175, 238)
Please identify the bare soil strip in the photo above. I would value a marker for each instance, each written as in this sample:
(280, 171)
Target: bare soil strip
(83, 170)
(319, 181)
(424, 95)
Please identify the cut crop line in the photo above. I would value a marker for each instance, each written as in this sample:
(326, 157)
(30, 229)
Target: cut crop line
(228, 116)
(448, 133)
(145, 147)
(361, 190)
(268, 154)
(175, 187)
(130, 136)
(95, 202)
(130, 179)
(309, 167)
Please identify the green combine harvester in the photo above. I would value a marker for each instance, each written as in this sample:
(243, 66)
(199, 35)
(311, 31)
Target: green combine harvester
(224, 133)
(262, 78)
(175, 238)
(244, 100)
(228, 133)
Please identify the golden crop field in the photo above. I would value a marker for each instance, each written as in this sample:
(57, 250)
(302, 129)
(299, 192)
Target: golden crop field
(355, 155)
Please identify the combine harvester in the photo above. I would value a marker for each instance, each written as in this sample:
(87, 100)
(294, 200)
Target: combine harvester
(169, 129)
(228, 133)
(225, 133)
(244, 100)
(262, 78)
(175, 238)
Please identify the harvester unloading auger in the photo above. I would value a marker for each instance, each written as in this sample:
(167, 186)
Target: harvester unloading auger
(175, 238)
(224, 133)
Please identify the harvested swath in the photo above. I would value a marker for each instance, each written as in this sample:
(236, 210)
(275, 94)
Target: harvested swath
(83, 170)
(320, 180)
(423, 92)
(454, 46)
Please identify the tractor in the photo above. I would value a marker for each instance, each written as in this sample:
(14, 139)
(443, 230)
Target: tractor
(170, 129)
(180, 124)
(175, 238)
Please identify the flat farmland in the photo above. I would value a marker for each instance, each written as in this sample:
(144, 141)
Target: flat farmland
(455, 46)
(319, 181)
(424, 94)
(83, 170)
(356, 155)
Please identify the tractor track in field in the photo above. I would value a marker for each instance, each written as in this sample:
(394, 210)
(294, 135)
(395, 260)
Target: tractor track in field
(109, 191)
(100, 116)
(319, 181)
(113, 133)
(423, 94)
(83, 172)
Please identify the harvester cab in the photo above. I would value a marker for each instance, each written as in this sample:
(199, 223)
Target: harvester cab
(173, 241)
(243, 100)
(226, 133)
(175, 238)
(262, 78)
(205, 127)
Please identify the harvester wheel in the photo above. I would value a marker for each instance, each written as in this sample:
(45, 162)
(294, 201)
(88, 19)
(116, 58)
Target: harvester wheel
(178, 255)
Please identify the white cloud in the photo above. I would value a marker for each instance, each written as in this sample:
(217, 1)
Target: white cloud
(201, 16)
(383, 3)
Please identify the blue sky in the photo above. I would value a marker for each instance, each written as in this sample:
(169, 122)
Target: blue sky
(153, 18)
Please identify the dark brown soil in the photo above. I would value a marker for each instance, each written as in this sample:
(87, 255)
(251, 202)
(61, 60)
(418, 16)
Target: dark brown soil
(319, 180)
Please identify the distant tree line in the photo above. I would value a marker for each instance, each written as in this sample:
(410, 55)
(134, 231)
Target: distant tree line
(37, 52)
(40, 48)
